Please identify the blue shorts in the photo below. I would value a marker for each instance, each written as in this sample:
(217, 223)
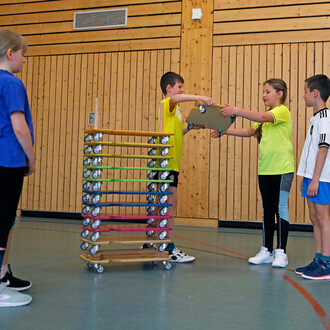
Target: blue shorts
(323, 194)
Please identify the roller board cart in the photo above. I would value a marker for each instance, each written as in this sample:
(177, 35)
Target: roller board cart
(155, 230)
(208, 115)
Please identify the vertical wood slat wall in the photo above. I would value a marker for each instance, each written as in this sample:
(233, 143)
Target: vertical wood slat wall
(67, 69)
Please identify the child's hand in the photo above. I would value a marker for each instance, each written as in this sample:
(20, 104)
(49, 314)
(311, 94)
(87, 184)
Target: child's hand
(215, 135)
(208, 101)
(313, 189)
(228, 111)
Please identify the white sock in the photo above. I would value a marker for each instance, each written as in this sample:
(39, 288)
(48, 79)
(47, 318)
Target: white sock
(4, 270)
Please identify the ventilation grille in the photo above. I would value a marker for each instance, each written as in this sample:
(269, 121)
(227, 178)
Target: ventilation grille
(100, 19)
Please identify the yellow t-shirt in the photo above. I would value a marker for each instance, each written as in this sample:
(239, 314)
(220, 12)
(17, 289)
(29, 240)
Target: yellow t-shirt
(276, 150)
(172, 122)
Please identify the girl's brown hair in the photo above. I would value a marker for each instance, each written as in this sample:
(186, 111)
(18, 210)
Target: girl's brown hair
(11, 40)
(278, 85)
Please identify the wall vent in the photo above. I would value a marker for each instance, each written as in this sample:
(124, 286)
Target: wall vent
(100, 19)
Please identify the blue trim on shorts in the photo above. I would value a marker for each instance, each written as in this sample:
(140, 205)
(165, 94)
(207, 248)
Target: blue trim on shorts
(323, 194)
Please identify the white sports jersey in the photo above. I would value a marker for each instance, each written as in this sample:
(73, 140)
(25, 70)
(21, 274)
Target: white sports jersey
(318, 135)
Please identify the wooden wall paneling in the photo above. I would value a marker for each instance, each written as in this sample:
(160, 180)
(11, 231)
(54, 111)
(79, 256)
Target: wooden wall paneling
(231, 4)
(223, 140)
(238, 161)
(326, 65)
(214, 160)
(253, 189)
(246, 90)
(231, 162)
(38, 130)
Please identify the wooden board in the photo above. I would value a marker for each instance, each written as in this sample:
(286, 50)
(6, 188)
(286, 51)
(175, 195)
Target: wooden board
(106, 240)
(128, 132)
(132, 144)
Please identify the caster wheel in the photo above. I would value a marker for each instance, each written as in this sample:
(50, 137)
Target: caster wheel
(86, 198)
(163, 199)
(162, 235)
(154, 262)
(152, 140)
(162, 247)
(164, 163)
(152, 152)
(150, 209)
(152, 163)
(88, 138)
(95, 212)
(96, 199)
(87, 161)
(150, 221)
(84, 233)
(167, 265)
(84, 246)
(87, 185)
(85, 210)
(232, 119)
(88, 150)
(202, 109)
(90, 265)
(95, 224)
(95, 237)
(100, 269)
(219, 133)
(97, 161)
(164, 175)
(96, 186)
(150, 198)
(86, 222)
(96, 174)
(151, 175)
(164, 187)
(164, 139)
(151, 186)
(164, 151)
(149, 233)
(98, 136)
(190, 126)
(163, 211)
(93, 250)
(87, 173)
(162, 223)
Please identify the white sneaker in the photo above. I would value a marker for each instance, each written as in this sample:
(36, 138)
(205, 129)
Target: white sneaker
(178, 256)
(10, 298)
(281, 259)
(263, 257)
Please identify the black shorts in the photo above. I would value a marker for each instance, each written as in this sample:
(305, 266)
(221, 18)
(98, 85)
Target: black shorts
(11, 187)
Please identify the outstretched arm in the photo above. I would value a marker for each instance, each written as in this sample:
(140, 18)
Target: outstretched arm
(177, 98)
(260, 117)
(243, 132)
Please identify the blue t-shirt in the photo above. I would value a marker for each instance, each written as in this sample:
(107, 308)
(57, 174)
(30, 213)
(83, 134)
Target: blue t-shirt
(13, 97)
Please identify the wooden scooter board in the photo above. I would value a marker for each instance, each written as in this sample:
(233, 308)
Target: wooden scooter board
(211, 118)
(126, 204)
(127, 132)
(129, 144)
(126, 217)
(91, 192)
(128, 156)
(106, 240)
(127, 255)
(126, 180)
(125, 228)
(128, 168)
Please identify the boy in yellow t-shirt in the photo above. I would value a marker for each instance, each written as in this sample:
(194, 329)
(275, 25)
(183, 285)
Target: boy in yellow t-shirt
(172, 87)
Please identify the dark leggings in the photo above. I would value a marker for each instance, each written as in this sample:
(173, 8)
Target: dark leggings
(275, 191)
(11, 187)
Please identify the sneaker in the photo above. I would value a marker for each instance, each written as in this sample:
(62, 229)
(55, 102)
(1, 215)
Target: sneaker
(321, 272)
(263, 257)
(281, 259)
(178, 256)
(10, 298)
(309, 267)
(15, 283)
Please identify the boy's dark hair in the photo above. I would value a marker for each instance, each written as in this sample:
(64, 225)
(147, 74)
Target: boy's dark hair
(321, 83)
(169, 78)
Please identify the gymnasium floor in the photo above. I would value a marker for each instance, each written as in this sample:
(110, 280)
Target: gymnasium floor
(219, 291)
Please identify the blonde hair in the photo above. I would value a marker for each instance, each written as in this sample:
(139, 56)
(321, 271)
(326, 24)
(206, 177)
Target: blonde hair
(11, 40)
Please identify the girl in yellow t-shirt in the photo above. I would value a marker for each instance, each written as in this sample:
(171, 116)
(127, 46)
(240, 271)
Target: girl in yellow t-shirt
(273, 129)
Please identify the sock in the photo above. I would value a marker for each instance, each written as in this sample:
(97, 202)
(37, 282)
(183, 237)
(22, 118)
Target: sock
(4, 270)
(170, 247)
(2, 254)
(326, 260)
(318, 257)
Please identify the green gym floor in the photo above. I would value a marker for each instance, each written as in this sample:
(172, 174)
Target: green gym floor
(220, 290)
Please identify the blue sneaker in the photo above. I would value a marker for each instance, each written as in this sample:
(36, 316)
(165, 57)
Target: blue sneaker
(321, 272)
(311, 266)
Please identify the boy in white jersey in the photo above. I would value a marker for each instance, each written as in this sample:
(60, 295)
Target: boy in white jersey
(314, 167)
(172, 87)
